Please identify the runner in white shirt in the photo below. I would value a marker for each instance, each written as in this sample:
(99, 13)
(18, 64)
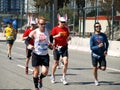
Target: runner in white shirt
(40, 55)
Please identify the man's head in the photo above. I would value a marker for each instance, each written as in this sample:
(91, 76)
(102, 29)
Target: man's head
(32, 24)
(41, 22)
(97, 27)
(9, 24)
(62, 20)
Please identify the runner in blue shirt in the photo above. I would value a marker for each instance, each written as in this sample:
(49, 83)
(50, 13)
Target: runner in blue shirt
(99, 47)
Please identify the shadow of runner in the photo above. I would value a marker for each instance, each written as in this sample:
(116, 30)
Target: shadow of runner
(108, 83)
(2, 40)
(80, 68)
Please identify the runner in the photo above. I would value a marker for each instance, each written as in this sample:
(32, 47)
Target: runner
(60, 35)
(99, 46)
(28, 51)
(9, 33)
(40, 55)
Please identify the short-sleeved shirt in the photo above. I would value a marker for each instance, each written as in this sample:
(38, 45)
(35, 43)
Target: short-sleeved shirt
(9, 32)
(26, 34)
(60, 41)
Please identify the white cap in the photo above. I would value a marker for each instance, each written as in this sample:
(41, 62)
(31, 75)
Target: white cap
(62, 19)
(32, 22)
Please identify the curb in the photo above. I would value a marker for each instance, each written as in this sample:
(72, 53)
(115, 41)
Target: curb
(82, 44)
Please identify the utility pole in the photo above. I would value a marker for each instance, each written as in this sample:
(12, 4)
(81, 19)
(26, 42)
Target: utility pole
(96, 11)
(55, 6)
(82, 4)
(112, 28)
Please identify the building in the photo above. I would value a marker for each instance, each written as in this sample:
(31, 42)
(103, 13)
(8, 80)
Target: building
(12, 6)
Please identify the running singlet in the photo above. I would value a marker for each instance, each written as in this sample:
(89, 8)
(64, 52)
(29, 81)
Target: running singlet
(41, 42)
(9, 33)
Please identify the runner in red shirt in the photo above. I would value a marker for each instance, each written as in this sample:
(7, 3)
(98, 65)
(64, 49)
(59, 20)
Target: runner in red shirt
(60, 35)
(28, 50)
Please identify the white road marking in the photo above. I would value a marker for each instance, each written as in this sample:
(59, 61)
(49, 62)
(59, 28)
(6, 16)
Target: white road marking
(113, 69)
(24, 67)
(32, 69)
(21, 48)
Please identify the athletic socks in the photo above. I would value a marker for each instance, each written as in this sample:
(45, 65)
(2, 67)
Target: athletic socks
(35, 80)
(42, 76)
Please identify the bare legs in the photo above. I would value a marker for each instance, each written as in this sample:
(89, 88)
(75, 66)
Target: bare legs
(9, 47)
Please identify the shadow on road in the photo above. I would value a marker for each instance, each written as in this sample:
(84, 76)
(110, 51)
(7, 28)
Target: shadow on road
(80, 68)
(108, 83)
(2, 40)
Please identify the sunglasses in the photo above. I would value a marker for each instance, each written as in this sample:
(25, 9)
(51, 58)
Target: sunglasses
(42, 23)
(97, 26)
(63, 22)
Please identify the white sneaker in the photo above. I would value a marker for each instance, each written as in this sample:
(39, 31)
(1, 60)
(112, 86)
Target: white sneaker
(52, 79)
(61, 64)
(96, 83)
(64, 81)
(58, 67)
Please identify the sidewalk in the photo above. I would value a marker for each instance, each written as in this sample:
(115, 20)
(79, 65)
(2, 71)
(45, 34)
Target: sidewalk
(82, 44)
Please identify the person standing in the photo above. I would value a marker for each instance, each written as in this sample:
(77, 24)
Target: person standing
(9, 33)
(40, 56)
(28, 51)
(99, 46)
(60, 35)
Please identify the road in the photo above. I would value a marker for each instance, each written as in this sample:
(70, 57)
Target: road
(79, 73)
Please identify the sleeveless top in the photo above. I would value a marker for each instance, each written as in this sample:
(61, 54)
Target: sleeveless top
(41, 41)
(9, 33)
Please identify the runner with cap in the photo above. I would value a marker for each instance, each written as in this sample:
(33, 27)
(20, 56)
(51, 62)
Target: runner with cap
(28, 50)
(60, 35)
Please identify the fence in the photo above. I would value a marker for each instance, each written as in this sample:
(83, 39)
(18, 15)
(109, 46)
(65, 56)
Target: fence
(78, 20)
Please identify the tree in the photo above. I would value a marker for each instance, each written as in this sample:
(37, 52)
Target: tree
(42, 4)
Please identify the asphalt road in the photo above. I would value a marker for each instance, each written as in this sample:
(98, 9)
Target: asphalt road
(79, 75)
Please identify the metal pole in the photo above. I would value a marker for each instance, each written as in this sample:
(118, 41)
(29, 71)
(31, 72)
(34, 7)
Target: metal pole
(112, 31)
(83, 9)
(96, 11)
(74, 18)
(55, 11)
(51, 12)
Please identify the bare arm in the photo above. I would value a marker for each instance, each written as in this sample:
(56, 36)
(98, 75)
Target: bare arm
(4, 31)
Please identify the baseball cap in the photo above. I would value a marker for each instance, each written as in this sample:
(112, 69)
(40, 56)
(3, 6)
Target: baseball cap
(62, 19)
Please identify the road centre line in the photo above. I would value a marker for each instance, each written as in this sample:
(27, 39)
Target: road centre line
(32, 69)
(113, 69)
(24, 67)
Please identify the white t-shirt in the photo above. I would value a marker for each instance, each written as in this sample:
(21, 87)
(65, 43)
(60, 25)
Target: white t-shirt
(41, 41)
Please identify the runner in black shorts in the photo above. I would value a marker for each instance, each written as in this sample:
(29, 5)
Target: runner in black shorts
(39, 60)
(28, 51)
(40, 56)
(9, 33)
(99, 47)
(60, 35)
(101, 61)
(63, 53)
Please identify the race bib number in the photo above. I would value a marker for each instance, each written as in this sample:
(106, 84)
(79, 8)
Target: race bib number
(42, 47)
(9, 37)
